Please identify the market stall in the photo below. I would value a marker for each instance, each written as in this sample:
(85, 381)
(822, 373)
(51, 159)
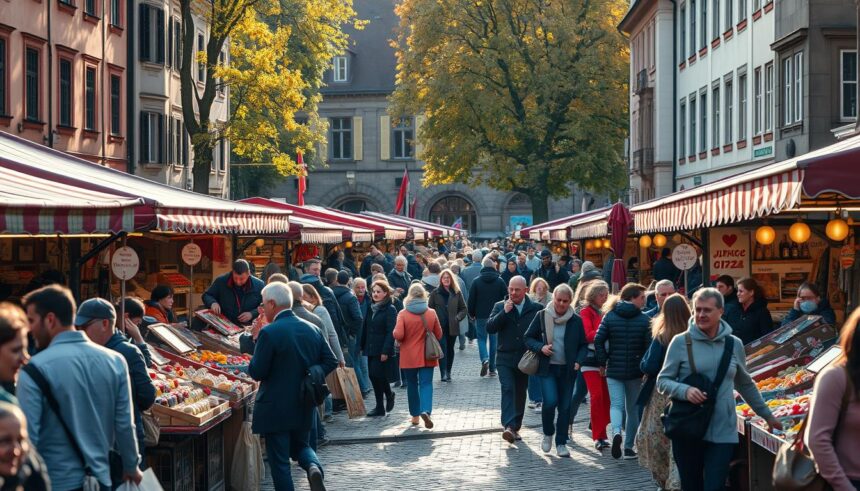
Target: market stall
(437, 230)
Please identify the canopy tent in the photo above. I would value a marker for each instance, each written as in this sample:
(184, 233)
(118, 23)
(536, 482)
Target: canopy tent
(415, 232)
(585, 225)
(533, 232)
(313, 229)
(164, 208)
(386, 231)
(435, 229)
(827, 177)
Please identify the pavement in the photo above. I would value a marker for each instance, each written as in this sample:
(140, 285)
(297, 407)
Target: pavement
(465, 449)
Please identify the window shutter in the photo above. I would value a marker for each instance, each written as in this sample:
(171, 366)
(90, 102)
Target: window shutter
(159, 36)
(385, 137)
(161, 145)
(144, 32)
(357, 148)
(144, 137)
(419, 148)
(186, 144)
(170, 140)
(169, 58)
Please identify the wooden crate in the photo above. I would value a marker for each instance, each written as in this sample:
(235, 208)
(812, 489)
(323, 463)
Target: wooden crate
(233, 396)
(168, 416)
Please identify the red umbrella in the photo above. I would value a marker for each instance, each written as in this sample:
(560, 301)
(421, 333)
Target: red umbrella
(620, 221)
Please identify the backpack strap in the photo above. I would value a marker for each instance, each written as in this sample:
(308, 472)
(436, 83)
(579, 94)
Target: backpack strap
(724, 362)
(689, 342)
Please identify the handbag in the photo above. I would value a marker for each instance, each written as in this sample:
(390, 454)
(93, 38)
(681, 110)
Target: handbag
(312, 391)
(794, 468)
(151, 429)
(687, 421)
(530, 362)
(432, 348)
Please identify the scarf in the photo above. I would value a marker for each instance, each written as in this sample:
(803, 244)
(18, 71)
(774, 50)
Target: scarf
(402, 275)
(417, 307)
(551, 319)
(376, 307)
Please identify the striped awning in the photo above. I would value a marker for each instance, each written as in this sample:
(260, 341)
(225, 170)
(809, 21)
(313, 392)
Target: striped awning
(585, 225)
(315, 222)
(187, 221)
(317, 232)
(433, 229)
(387, 231)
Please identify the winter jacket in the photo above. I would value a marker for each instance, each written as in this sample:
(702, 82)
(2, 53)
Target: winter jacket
(664, 269)
(828, 316)
(377, 338)
(470, 273)
(159, 313)
(507, 275)
(233, 299)
(329, 333)
(414, 269)
(454, 307)
(751, 323)
(487, 289)
(352, 317)
(650, 365)
(398, 281)
(575, 346)
(364, 305)
(381, 259)
(707, 353)
(410, 332)
(591, 318)
(511, 328)
(628, 331)
(142, 390)
(330, 304)
(553, 277)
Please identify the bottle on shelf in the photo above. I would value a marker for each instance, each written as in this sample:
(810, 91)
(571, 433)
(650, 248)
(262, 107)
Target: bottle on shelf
(784, 249)
(768, 252)
(759, 252)
(804, 253)
(795, 250)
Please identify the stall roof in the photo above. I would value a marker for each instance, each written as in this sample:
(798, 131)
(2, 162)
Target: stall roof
(826, 172)
(166, 209)
(418, 232)
(436, 229)
(32, 205)
(586, 225)
(353, 232)
(387, 231)
(526, 232)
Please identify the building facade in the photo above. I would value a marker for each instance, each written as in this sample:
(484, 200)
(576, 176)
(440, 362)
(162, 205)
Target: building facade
(63, 76)
(367, 151)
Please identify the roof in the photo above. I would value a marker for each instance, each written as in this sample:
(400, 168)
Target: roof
(588, 224)
(433, 229)
(384, 230)
(632, 16)
(349, 230)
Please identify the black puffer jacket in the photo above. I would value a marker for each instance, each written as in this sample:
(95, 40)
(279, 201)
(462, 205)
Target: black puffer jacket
(487, 289)
(628, 331)
(749, 324)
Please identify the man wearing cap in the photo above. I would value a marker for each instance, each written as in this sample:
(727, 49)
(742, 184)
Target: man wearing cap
(235, 294)
(549, 271)
(91, 387)
(97, 318)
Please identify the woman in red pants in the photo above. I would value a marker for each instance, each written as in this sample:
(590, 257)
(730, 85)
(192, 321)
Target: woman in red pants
(595, 296)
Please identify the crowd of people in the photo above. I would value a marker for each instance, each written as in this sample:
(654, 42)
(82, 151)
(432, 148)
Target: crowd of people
(75, 382)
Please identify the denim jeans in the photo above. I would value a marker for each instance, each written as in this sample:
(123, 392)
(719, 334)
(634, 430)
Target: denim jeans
(283, 445)
(622, 401)
(329, 405)
(535, 392)
(443, 372)
(419, 390)
(702, 466)
(483, 336)
(580, 390)
(359, 363)
(514, 385)
(556, 388)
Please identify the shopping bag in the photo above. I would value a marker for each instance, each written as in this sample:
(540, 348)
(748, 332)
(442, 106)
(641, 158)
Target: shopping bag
(248, 468)
(464, 326)
(149, 482)
(351, 392)
(334, 385)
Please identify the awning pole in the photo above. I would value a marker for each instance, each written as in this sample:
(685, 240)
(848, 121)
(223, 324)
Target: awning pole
(75, 264)
(122, 294)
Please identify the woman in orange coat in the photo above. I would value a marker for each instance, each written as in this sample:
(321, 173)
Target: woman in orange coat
(160, 304)
(412, 324)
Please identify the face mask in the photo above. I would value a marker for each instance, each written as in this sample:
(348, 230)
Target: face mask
(808, 306)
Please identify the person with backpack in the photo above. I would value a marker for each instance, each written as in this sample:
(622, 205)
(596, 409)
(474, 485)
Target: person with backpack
(311, 277)
(486, 290)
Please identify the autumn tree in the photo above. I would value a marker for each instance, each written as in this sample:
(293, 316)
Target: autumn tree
(278, 51)
(521, 95)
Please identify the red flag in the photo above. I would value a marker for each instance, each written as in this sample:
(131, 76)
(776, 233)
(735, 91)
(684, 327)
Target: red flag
(412, 206)
(303, 184)
(401, 195)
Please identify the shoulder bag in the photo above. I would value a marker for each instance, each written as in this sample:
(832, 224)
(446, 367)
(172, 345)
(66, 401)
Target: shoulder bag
(90, 482)
(432, 348)
(530, 362)
(794, 468)
(687, 421)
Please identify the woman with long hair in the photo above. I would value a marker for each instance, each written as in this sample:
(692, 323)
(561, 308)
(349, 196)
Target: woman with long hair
(448, 302)
(655, 449)
(595, 296)
(539, 292)
(835, 408)
(752, 319)
(413, 324)
(315, 304)
(377, 343)
(13, 348)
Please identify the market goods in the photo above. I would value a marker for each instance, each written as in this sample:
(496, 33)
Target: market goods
(786, 379)
(233, 364)
(218, 322)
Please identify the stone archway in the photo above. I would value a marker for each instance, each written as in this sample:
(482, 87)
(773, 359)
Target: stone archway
(517, 212)
(453, 208)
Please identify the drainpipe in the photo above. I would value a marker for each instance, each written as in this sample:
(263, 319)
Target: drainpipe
(103, 105)
(50, 79)
(130, 77)
(674, 95)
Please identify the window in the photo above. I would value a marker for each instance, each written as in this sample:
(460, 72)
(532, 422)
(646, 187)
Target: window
(768, 97)
(682, 39)
(848, 78)
(742, 10)
(756, 5)
(177, 44)
(178, 142)
(90, 7)
(222, 61)
(339, 68)
(341, 138)
(742, 107)
(116, 13)
(730, 18)
(3, 110)
(757, 87)
(703, 114)
(682, 135)
(798, 86)
(151, 36)
(403, 136)
(787, 77)
(151, 137)
(693, 27)
(201, 66)
(729, 116)
(90, 98)
(693, 117)
(704, 26)
(716, 16)
(115, 109)
(454, 210)
(65, 92)
(33, 67)
(222, 154)
(715, 108)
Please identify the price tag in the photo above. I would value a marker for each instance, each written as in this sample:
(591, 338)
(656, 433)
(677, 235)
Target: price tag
(766, 440)
(684, 256)
(191, 254)
(741, 424)
(125, 263)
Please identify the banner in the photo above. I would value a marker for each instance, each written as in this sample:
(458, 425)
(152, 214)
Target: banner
(729, 252)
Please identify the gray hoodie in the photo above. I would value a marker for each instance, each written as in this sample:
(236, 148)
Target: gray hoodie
(707, 353)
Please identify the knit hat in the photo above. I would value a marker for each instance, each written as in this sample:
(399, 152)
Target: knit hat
(589, 271)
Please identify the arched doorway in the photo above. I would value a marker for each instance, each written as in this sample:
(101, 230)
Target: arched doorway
(518, 213)
(451, 209)
(355, 205)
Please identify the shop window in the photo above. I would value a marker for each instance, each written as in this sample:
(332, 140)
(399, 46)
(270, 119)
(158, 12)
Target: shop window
(454, 210)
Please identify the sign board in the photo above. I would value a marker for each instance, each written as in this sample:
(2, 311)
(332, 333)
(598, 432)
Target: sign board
(191, 254)
(518, 222)
(684, 256)
(697, 180)
(761, 152)
(728, 252)
(125, 263)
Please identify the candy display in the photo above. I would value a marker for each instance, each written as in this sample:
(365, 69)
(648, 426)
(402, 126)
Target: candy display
(786, 379)
(218, 322)
(208, 379)
(233, 364)
(176, 397)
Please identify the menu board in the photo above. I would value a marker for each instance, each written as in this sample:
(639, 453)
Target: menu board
(780, 280)
(218, 322)
(165, 334)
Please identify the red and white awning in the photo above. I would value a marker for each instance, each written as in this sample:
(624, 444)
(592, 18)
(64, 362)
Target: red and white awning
(387, 231)
(187, 221)
(586, 225)
(434, 229)
(317, 232)
(313, 223)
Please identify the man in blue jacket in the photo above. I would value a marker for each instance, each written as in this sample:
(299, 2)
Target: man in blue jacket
(236, 294)
(287, 350)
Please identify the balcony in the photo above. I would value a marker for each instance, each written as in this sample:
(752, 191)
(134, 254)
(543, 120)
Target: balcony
(643, 161)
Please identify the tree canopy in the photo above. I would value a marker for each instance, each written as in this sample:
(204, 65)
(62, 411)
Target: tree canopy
(521, 95)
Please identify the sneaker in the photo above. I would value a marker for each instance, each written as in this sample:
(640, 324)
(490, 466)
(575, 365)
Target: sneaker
(508, 435)
(485, 367)
(629, 454)
(598, 445)
(538, 407)
(315, 478)
(428, 423)
(562, 451)
(546, 443)
(616, 446)
(602, 445)
(492, 373)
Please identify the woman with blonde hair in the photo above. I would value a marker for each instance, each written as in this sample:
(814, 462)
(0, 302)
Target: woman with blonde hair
(595, 296)
(655, 449)
(539, 292)
(450, 305)
(414, 323)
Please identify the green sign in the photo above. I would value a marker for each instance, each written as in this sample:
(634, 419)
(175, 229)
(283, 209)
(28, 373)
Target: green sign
(761, 152)
(697, 180)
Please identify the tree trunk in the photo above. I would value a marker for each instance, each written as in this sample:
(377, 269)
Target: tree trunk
(202, 166)
(540, 206)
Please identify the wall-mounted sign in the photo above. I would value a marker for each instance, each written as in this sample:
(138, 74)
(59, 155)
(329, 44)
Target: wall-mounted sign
(761, 152)
(728, 252)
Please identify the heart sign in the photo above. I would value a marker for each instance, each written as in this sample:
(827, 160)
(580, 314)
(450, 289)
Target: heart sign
(730, 239)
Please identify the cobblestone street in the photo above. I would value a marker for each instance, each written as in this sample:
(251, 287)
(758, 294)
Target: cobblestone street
(465, 449)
